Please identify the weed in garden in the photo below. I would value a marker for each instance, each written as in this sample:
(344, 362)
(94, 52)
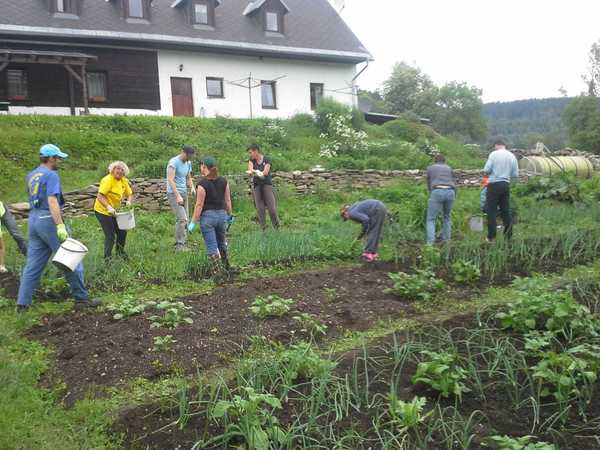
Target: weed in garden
(311, 324)
(271, 306)
(420, 285)
(332, 294)
(163, 343)
(173, 314)
(442, 373)
(407, 415)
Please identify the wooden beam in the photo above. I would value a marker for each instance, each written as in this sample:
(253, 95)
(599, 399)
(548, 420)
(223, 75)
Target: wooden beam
(75, 74)
(71, 94)
(86, 107)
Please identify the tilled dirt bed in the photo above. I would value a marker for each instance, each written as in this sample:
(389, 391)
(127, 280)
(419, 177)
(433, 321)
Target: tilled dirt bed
(94, 350)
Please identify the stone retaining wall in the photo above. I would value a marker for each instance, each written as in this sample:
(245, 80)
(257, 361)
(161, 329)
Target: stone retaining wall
(151, 193)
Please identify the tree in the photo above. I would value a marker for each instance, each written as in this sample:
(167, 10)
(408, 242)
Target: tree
(409, 89)
(371, 101)
(593, 78)
(582, 118)
(459, 111)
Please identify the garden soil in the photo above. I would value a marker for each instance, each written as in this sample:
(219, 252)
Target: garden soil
(92, 350)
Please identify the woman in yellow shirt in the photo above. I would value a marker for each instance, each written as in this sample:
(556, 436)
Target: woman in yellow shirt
(114, 187)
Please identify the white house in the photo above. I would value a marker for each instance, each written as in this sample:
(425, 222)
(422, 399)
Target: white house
(238, 58)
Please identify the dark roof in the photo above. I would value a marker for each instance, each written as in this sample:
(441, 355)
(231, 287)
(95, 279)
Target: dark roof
(313, 28)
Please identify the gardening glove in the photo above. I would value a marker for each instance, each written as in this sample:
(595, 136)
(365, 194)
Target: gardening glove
(111, 210)
(259, 174)
(61, 232)
(128, 203)
(191, 227)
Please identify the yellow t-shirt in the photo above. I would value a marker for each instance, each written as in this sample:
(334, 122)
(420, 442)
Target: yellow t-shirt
(114, 190)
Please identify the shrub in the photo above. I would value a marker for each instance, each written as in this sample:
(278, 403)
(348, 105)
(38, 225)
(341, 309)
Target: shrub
(329, 108)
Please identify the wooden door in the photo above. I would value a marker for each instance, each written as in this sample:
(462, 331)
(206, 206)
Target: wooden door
(183, 100)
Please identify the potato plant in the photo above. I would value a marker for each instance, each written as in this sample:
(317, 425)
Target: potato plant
(271, 306)
(441, 372)
(423, 284)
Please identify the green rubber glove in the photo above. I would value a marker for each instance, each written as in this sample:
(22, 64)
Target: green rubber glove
(61, 232)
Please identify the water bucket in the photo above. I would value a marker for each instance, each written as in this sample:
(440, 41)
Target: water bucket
(476, 223)
(125, 220)
(70, 254)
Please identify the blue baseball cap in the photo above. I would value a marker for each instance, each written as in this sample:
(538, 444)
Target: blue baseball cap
(49, 150)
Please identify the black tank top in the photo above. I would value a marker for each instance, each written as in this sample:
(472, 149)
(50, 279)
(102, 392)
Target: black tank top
(215, 193)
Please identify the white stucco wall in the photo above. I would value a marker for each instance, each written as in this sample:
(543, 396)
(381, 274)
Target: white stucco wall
(293, 90)
(61, 111)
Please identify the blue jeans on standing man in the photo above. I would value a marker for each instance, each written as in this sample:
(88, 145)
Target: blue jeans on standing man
(213, 226)
(43, 242)
(440, 200)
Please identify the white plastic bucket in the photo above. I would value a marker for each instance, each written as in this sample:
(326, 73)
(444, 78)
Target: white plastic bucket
(476, 223)
(125, 220)
(70, 254)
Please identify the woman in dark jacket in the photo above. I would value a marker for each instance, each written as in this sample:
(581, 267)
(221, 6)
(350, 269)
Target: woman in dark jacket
(213, 210)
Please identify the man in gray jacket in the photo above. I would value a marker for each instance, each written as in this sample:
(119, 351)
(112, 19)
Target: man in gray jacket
(371, 215)
(442, 194)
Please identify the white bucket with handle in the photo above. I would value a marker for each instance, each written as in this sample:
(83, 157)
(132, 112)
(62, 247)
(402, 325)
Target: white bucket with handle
(70, 254)
(125, 220)
(476, 223)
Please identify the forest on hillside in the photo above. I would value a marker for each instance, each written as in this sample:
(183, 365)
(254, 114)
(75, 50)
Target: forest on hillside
(523, 123)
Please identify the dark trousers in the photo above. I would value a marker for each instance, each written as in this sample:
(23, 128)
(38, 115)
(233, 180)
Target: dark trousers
(111, 230)
(264, 199)
(498, 196)
(375, 231)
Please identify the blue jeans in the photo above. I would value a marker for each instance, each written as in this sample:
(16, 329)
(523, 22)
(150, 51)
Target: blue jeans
(43, 242)
(213, 226)
(440, 200)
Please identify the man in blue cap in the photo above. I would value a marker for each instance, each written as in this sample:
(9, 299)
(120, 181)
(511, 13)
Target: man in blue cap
(47, 230)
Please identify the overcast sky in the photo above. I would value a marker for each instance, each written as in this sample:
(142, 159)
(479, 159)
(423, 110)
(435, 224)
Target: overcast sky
(512, 49)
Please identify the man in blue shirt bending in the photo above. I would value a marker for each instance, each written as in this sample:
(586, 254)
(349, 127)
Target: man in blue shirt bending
(47, 230)
(502, 167)
(371, 215)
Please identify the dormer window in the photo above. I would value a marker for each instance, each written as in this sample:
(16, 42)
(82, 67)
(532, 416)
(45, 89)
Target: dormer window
(64, 6)
(273, 22)
(270, 12)
(135, 9)
(201, 13)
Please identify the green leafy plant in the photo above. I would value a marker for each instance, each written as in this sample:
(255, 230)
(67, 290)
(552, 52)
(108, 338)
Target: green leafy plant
(430, 258)
(557, 312)
(332, 294)
(302, 362)
(465, 272)
(407, 415)
(128, 307)
(271, 306)
(163, 343)
(521, 443)
(441, 372)
(420, 285)
(249, 417)
(562, 375)
(311, 325)
(173, 314)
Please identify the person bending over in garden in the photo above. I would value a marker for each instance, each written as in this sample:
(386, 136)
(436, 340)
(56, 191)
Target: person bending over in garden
(114, 188)
(179, 180)
(371, 215)
(47, 230)
(442, 194)
(3, 268)
(213, 212)
(502, 167)
(260, 168)
(8, 221)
